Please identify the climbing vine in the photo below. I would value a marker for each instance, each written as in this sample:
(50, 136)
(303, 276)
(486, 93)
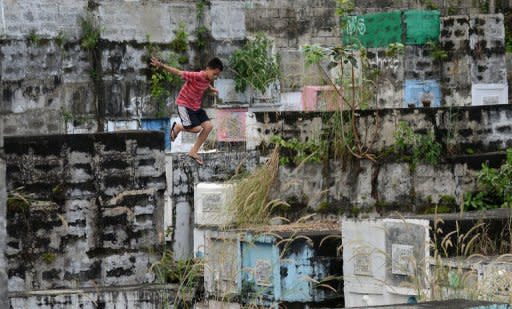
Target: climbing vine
(180, 42)
(90, 40)
(202, 33)
(91, 32)
(163, 83)
(508, 31)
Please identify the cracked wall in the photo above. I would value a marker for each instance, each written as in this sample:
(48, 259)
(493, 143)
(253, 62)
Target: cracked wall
(473, 136)
(94, 210)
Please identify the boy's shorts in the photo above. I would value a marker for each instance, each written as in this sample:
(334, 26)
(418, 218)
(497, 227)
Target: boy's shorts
(191, 118)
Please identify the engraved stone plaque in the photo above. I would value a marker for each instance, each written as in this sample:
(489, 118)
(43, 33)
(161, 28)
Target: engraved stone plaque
(402, 260)
(491, 100)
(212, 202)
(362, 263)
(263, 274)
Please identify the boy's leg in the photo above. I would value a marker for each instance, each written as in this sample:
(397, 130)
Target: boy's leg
(193, 130)
(177, 129)
(195, 122)
(206, 127)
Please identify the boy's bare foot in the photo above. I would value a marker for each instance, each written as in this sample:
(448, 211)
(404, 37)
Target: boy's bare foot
(197, 158)
(173, 134)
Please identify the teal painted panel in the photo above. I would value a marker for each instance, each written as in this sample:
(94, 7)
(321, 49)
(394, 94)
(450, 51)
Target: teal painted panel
(273, 273)
(373, 30)
(260, 270)
(422, 26)
(295, 268)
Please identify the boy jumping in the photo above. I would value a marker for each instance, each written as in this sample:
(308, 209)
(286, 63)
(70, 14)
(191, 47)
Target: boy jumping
(193, 117)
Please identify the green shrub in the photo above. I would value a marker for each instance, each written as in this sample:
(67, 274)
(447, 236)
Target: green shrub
(61, 39)
(251, 204)
(202, 34)
(254, 65)
(48, 257)
(314, 54)
(200, 7)
(91, 32)
(162, 83)
(494, 187)
(180, 42)
(437, 52)
(186, 274)
(297, 152)
(415, 147)
(33, 37)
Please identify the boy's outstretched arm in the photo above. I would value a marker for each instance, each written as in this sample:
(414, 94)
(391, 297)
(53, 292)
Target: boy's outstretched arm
(158, 64)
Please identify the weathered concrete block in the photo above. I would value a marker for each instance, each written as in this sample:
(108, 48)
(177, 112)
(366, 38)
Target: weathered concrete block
(394, 184)
(291, 101)
(218, 167)
(126, 268)
(488, 49)
(133, 297)
(363, 193)
(380, 253)
(136, 21)
(228, 94)
(390, 89)
(292, 66)
(72, 176)
(419, 64)
(228, 20)
(417, 92)
(231, 125)
(448, 304)
(489, 94)
(183, 232)
(4, 248)
(433, 183)
(32, 57)
(47, 18)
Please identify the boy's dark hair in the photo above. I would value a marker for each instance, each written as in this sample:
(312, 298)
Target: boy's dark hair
(215, 63)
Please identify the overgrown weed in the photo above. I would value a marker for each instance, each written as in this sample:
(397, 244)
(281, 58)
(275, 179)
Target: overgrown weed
(251, 204)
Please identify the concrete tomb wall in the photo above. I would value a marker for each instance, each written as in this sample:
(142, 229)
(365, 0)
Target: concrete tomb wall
(84, 211)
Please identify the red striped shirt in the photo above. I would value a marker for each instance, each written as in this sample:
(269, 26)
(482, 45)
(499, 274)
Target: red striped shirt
(192, 92)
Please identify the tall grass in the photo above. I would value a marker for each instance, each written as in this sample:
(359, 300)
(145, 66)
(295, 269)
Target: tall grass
(186, 274)
(251, 203)
(467, 265)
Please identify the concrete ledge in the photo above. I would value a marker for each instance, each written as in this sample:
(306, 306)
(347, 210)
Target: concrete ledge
(126, 297)
(82, 142)
(102, 289)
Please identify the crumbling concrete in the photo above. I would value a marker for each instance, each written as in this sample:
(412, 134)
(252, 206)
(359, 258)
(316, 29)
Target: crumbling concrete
(391, 181)
(219, 167)
(133, 297)
(3, 230)
(47, 78)
(94, 209)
